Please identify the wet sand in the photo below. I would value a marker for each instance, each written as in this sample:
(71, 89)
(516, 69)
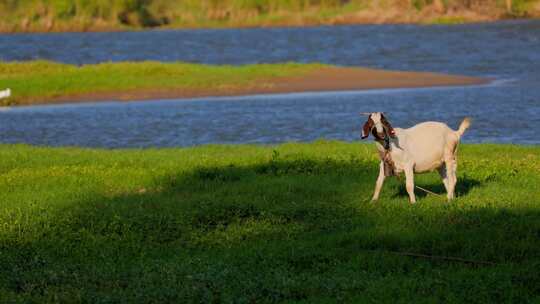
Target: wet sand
(321, 80)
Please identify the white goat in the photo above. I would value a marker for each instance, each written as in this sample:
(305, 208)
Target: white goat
(425, 147)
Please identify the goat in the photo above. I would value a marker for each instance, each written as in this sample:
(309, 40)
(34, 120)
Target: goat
(424, 147)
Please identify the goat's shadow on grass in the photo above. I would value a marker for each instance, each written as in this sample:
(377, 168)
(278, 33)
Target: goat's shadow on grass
(297, 189)
(463, 186)
(249, 230)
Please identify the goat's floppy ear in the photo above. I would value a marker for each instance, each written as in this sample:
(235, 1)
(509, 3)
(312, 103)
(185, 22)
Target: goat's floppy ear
(367, 127)
(388, 126)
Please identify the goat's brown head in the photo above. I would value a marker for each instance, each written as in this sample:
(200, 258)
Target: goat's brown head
(378, 125)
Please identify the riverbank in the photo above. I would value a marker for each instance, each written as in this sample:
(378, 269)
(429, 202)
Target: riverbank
(264, 224)
(42, 82)
(78, 15)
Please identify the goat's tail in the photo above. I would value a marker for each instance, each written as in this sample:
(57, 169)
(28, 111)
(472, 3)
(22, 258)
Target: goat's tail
(465, 124)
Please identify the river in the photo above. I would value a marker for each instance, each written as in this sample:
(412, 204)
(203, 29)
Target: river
(506, 111)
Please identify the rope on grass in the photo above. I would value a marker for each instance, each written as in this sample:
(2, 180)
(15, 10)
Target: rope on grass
(445, 258)
(420, 188)
(427, 191)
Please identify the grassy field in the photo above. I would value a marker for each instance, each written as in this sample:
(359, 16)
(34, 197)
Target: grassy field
(43, 81)
(255, 224)
(84, 15)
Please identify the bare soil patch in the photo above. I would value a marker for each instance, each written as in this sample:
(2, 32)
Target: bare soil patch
(324, 79)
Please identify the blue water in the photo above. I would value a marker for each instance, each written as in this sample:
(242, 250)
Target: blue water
(507, 111)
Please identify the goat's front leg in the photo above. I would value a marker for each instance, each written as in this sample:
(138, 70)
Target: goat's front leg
(409, 183)
(379, 183)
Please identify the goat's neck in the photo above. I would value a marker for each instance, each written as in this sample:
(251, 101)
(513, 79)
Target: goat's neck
(385, 142)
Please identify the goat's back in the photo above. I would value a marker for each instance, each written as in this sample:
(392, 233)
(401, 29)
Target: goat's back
(428, 142)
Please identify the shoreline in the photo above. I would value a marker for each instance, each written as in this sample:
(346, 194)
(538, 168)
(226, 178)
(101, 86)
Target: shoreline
(325, 79)
(443, 20)
(361, 18)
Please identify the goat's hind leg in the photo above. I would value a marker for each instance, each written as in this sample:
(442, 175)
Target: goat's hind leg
(444, 177)
(451, 167)
(454, 176)
(450, 162)
(379, 183)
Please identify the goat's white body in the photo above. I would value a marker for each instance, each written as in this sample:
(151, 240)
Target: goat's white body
(425, 147)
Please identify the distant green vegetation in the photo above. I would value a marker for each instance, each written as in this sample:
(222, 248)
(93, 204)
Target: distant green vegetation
(42, 81)
(70, 15)
(254, 224)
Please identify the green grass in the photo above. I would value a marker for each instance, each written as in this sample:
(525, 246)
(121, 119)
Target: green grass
(255, 224)
(42, 81)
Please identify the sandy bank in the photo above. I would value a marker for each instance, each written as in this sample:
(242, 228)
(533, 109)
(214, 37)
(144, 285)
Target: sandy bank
(320, 80)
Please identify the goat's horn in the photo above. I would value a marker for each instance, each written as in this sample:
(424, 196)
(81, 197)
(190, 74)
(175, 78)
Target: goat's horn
(365, 113)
